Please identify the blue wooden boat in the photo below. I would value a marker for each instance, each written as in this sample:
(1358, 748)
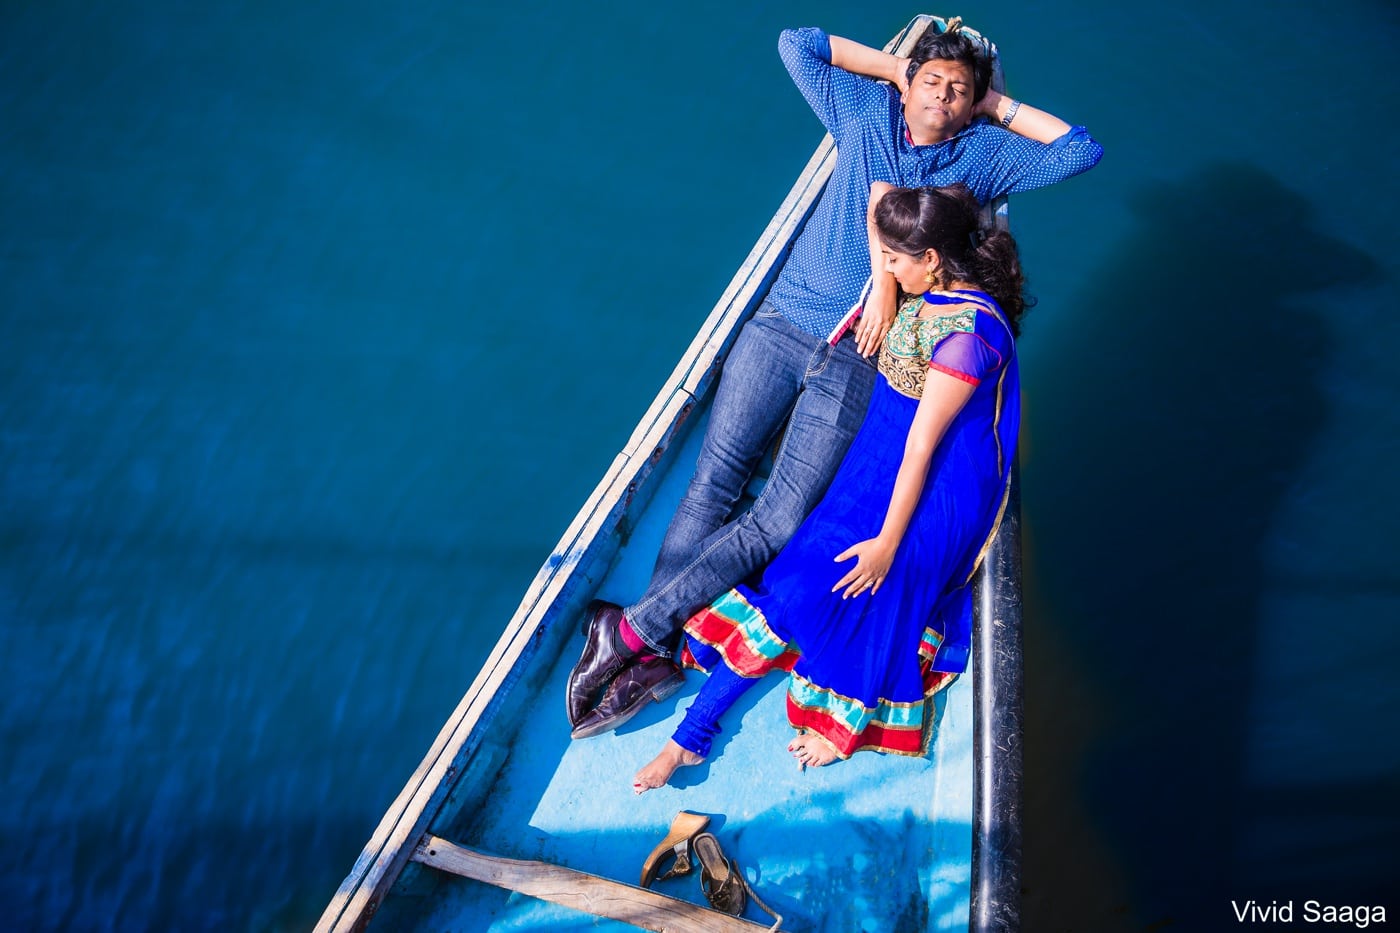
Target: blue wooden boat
(508, 825)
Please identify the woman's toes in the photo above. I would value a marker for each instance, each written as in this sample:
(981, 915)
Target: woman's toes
(812, 751)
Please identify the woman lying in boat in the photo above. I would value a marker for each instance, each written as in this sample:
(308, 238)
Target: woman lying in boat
(797, 360)
(915, 503)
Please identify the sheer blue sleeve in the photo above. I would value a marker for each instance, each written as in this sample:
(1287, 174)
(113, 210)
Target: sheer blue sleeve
(965, 356)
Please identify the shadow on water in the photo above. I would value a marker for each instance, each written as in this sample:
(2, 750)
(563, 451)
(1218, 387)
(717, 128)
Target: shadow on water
(1183, 423)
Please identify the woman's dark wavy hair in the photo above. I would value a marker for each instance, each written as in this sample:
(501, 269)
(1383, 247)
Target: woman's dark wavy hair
(912, 220)
(953, 46)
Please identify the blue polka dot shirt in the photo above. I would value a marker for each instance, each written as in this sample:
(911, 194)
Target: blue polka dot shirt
(830, 262)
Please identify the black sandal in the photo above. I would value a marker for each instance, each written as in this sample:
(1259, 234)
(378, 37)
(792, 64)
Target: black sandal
(722, 881)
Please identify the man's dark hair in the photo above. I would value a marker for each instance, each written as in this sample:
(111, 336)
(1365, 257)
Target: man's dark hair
(953, 46)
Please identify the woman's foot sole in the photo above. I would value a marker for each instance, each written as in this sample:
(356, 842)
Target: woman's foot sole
(659, 770)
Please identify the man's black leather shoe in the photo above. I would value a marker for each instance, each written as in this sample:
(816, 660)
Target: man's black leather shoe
(604, 655)
(652, 679)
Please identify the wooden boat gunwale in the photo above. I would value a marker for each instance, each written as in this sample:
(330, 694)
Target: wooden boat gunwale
(555, 598)
(588, 540)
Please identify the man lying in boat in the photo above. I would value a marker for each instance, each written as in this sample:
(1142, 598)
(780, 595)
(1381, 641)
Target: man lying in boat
(804, 360)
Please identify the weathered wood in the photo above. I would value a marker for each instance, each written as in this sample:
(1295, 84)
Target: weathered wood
(591, 894)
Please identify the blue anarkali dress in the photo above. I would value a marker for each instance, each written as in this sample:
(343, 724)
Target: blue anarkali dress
(864, 670)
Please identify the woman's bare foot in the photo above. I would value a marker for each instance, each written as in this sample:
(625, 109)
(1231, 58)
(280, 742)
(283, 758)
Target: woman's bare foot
(811, 750)
(659, 771)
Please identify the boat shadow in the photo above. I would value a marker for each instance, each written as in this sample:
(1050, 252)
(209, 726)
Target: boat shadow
(1196, 371)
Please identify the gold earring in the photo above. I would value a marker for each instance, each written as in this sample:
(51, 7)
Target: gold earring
(931, 277)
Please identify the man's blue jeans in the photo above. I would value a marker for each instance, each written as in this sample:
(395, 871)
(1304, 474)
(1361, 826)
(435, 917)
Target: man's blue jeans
(774, 370)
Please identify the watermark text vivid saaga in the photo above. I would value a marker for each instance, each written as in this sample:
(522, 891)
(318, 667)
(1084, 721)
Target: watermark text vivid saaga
(1359, 916)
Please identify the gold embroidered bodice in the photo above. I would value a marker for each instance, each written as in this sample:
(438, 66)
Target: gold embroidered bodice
(905, 354)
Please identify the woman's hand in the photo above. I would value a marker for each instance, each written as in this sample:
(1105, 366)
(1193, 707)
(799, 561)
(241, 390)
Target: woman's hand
(873, 559)
(875, 321)
(882, 304)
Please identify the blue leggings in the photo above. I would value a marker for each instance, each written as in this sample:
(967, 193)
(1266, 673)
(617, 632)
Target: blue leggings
(721, 690)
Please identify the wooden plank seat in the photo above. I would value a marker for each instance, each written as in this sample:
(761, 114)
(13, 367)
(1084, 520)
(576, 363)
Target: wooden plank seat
(579, 890)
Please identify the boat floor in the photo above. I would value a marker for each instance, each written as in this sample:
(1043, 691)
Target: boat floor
(878, 842)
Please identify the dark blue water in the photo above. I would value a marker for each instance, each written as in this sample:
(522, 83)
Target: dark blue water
(319, 321)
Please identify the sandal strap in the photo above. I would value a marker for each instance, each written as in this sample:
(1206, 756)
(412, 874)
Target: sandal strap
(682, 865)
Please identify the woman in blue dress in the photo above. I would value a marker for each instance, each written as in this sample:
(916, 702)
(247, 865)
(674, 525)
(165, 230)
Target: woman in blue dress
(869, 606)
